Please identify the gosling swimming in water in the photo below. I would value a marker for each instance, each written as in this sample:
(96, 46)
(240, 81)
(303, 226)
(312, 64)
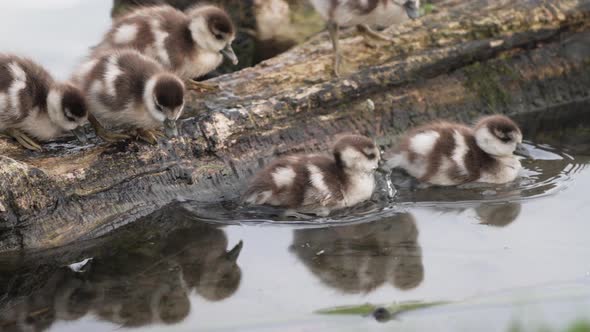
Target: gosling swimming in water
(318, 184)
(34, 106)
(446, 153)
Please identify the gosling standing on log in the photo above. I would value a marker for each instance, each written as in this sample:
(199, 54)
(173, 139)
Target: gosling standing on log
(363, 14)
(317, 184)
(190, 44)
(33, 104)
(126, 90)
(445, 153)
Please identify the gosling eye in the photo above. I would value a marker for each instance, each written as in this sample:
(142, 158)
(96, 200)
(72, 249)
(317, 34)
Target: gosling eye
(371, 156)
(218, 36)
(505, 139)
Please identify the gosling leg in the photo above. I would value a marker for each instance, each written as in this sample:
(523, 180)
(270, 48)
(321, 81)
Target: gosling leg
(334, 30)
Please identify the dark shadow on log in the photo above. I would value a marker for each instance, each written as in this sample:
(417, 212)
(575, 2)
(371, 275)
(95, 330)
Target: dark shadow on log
(474, 58)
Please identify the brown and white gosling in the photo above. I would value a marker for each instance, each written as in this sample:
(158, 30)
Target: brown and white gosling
(127, 90)
(191, 43)
(34, 106)
(318, 184)
(446, 154)
(364, 14)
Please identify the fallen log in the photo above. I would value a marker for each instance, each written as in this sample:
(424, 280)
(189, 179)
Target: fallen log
(470, 58)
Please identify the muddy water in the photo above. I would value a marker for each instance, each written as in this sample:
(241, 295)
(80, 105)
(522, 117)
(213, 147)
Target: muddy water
(499, 257)
(506, 257)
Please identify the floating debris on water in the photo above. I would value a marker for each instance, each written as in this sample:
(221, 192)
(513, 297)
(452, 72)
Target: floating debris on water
(79, 267)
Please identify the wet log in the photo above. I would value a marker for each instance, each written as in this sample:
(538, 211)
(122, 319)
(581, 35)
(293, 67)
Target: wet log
(470, 58)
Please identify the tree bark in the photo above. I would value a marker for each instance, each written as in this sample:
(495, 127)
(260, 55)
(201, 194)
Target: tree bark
(468, 59)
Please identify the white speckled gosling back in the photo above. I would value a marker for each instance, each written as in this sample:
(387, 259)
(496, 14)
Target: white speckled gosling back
(33, 104)
(445, 154)
(318, 184)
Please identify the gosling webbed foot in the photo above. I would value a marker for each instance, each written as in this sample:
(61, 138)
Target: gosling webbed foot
(321, 212)
(150, 136)
(201, 87)
(111, 137)
(24, 140)
(367, 32)
(103, 133)
(294, 214)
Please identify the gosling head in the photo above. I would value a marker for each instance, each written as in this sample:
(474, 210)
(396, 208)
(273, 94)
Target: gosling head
(357, 154)
(164, 99)
(498, 135)
(212, 29)
(223, 278)
(67, 107)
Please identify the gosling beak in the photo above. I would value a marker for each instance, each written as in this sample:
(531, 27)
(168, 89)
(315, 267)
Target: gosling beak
(412, 9)
(229, 53)
(170, 128)
(522, 151)
(81, 134)
(233, 254)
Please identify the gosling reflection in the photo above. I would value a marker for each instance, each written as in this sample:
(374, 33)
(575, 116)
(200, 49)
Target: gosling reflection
(360, 258)
(499, 215)
(491, 214)
(208, 268)
(133, 284)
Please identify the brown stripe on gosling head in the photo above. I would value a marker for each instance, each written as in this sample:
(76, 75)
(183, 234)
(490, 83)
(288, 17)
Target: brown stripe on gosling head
(502, 127)
(73, 102)
(169, 91)
(219, 22)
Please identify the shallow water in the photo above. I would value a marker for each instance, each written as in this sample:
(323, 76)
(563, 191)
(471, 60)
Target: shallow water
(500, 257)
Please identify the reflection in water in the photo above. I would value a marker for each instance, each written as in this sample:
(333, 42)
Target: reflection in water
(360, 258)
(130, 283)
(491, 214)
(498, 215)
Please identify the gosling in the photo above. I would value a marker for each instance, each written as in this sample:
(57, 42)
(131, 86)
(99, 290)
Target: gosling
(127, 90)
(363, 14)
(189, 44)
(35, 107)
(318, 184)
(448, 154)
